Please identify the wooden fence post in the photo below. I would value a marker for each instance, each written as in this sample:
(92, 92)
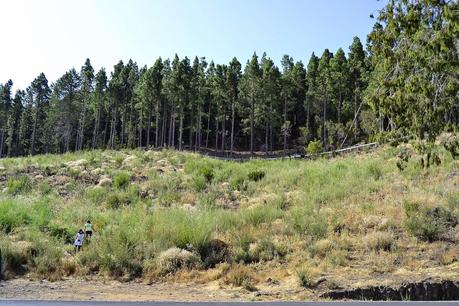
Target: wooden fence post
(1, 267)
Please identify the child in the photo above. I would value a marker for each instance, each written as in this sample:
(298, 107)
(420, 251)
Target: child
(88, 229)
(79, 240)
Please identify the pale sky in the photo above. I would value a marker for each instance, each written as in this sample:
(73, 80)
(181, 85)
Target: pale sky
(52, 36)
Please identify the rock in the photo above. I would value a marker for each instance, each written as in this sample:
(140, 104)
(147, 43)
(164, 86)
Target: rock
(427, 290)
(39, 177)
(104, 182)
(77, 163)
(189, 208)
(97, 171)
(2, 168)
(128, 160)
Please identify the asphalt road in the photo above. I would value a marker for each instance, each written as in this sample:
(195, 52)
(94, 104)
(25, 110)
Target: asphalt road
(65, 303)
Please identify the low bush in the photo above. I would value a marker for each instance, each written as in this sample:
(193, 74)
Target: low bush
(379, 241)
(305, 278)
(429, 224)
(321, 248)
(207, 173)
(121, 180)
(314, 147)
(18, 185)
(308, 221)
(256, 175)
(175, 259)
(266, 250)
(241, 276)
(215, 252)
(14, 259)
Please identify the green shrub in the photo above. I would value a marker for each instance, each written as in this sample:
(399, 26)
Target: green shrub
(207, 173)
(375, 171)
(96, 194)
(115, 200)
(18, 185)
(216, 251)
(199, 183)
(309, 222)
(74, 173)
(429, 224)
(266, 250)
(13, 214)
(256, 175)
(314, 147)
(238, 183)
(241, 276)
(305, 278)
(379, 241)
(121, 180)
(450, 142)
(14, 260)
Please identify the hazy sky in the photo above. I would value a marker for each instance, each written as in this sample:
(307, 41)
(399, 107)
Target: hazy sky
(52, 36)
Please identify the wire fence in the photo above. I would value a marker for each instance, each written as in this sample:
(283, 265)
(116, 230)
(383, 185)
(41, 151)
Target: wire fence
(291, 154)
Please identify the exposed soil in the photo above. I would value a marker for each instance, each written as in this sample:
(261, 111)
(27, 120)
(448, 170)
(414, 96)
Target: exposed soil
(78, 289)
(427, 290)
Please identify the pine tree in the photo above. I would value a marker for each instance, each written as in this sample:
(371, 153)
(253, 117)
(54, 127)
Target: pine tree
(41, 93)
(311, 96)
(250, 89)
(357, 70)
(324, 90)
(5, 108)
(97, 106)
(86, 95)
(14, 119)
(233, 78)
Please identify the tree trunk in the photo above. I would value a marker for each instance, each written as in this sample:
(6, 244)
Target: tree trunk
(149, 129)
(339, 107)
(266, 136)
(223, 133)
(232, 126)
(34, 130)
(324, 123)
(216, 135)
(181, 128)
(285, 126)
(141, 127)
(208, 127)
(271, 128)
(355, 110)
(252, 115)
(2, 137)
(96, 129)
(157, 123)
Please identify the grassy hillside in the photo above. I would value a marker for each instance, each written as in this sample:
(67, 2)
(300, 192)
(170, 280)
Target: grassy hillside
(160, 216)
